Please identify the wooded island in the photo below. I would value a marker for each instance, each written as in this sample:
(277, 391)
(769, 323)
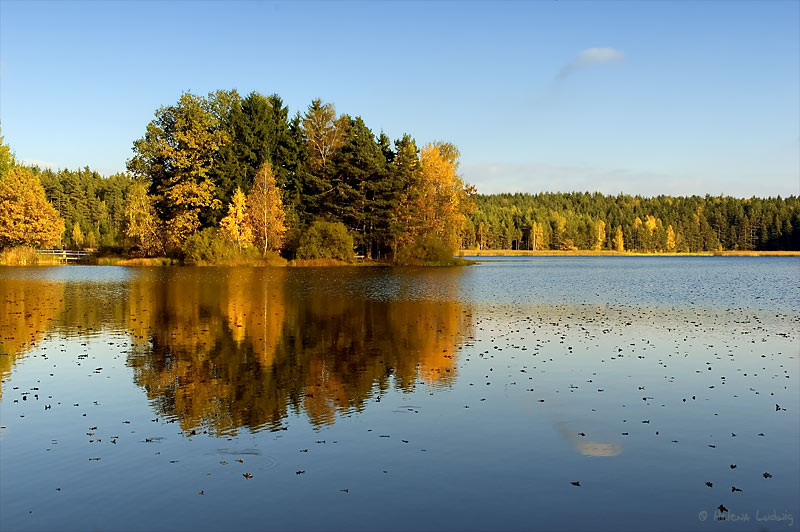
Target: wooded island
(224, 178)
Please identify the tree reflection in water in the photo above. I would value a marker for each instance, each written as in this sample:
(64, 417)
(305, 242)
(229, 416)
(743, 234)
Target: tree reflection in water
(224, 349)
(239, 349)
(27, 310)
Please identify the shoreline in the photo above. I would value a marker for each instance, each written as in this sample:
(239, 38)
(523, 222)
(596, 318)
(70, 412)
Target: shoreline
(609, 253)
(463, 259)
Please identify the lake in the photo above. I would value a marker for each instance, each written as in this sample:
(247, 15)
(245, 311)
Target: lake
(622, 393)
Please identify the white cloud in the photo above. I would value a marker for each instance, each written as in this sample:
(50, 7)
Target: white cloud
(591, 56)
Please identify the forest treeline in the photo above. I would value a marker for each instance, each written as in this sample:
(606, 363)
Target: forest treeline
(568, 221)
(223, 176)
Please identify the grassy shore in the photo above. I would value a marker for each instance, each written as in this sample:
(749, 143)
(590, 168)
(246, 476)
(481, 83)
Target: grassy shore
(26, 256)
(609, 253)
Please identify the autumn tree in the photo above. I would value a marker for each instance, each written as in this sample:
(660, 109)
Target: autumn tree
(537, 240)
(235, 225)
(177, 155)
(433, 208)
(26, 217)
(142, 224)
(619, 243)
(670, 239)
(599, 235)
(265, 211)
(324, 133)
(77, 236)
(91, 239)
(7, 161)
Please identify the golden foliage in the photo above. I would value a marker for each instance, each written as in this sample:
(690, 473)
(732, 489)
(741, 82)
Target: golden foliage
(619, 242)
(599, 235)
(142, 224)
(177, 154)
(26, 217)
(435, 206)
(235, 226)
(670, 239)
(266, 216)
(240, 351)
(77, 236)
(27, 310)
(188, 198)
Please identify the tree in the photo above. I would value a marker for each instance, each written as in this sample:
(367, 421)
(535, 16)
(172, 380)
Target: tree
(405, 172)
(91, 239)
(77, 236)
(359, 195)
(670, 239)
(142, 224)
(265, 211)
(436, 207)
(26, 217)
(234, 226)
(537, 240)
(599, 235)
(177, 155)
(619, 242)
(258, 129)
(7, 161)
(324, 133)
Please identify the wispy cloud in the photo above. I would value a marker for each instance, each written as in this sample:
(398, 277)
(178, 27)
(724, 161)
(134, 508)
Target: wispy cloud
(588, 57)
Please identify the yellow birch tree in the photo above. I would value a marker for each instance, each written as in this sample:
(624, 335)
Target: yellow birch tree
(619, 243)
(77, 236)
(670, 238)
(324, 132)
(599, 235)
(234, 226)
(265, 211)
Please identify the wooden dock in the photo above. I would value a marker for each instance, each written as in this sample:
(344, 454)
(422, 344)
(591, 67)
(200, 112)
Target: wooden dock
(66, 256)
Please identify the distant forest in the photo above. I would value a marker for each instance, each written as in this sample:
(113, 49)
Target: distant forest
(221, 176)
(634, 223)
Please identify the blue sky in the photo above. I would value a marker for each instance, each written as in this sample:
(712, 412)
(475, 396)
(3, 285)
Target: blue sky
(643, 98)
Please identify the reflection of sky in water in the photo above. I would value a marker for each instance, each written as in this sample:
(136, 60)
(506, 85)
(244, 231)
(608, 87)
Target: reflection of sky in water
(89, 274)
(474, 396)
(755, 282)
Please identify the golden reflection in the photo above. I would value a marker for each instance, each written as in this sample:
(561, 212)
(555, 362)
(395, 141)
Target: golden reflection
(27, 311)
(225, 349)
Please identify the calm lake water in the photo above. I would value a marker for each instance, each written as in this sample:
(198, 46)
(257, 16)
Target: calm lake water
(394, 399)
